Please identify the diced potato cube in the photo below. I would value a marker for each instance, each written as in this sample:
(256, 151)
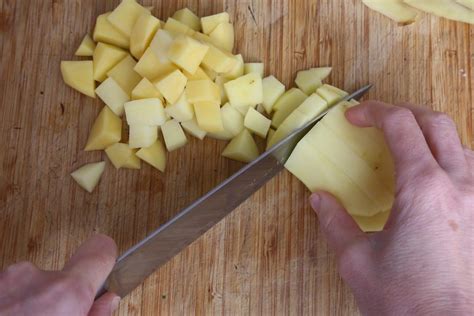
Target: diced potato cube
(125, 75)
(105, 58)
(146, 90)
(258, 68)
(242, 148)
(173, 135)
(219, 60)
(220, 81)
(142, 136)
(257, 123)
(188, 18)
(151, 67)
(286, 104)
(187, 53)
(88, 176)
(122, 156)
(172, 85)
(223, 36)
(182, 110)
(193, 128)
(208, 115)
(238, 70)
(310, 80)
(105, 32)
(232, 120)
(202, 90)
(200, 74)
(246, 91)
(86, 48)
(155, 155)
(222, 135)
(79, 75)
(142, 33)
(106, 130)
(374, 223)
(272, 90)
(209, 72)
(203, 38)
(331, 94)
(113, 95)
(177, 28)
(145, 112)
(126, 15)
(209, 23)
(161, 44)
(242, 109)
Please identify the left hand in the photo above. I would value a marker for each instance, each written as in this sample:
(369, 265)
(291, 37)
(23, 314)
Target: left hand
(27, 290)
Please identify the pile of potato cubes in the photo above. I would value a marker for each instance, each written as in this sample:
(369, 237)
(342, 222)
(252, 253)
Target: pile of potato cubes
(181, 77)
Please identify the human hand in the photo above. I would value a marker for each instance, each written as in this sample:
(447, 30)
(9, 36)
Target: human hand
(422, 262)
(26, 290)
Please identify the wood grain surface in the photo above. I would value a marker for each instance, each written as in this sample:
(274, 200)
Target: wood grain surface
(266, 258)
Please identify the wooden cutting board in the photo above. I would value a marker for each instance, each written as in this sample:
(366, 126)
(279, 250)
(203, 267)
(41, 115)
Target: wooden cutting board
(266, 258)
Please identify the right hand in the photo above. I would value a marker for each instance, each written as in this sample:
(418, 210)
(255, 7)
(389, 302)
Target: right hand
(423, 261)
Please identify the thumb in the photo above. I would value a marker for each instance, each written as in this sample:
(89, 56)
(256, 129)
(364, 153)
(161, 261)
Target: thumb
(342, 233)
(105, 305)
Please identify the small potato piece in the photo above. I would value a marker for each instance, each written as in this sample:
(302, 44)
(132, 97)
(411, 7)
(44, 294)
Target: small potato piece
(106, 130)
(142, 136)
(86, 48)
(246, 91)
(237, 71)
(126, 15)
(232, 120)
(146, 90)
(310, 80)
(242, 148)
(122, 156)
(209, 23)
(152, 67)
(272, 90)
(188, 18)
(219, 61)
(187, 53)
(202, 90)
(145, 112)
(172, 85)
(105, 32)
(79, 75)
(220, 81)
(155, 155)
(258, 68)
(182, 110)
(113, 95)
(173, 135)
(88, 176)
(193, 128)
(176, 28)
(286, 104)
(223, 36)
(161, 44)
(142, 33)
(257, 123)
(208, 115)
(125, 75)
(331, 94)
(105, 58)
(200, 74)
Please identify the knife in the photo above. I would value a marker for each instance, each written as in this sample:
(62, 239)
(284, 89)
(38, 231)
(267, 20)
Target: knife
(137, 263)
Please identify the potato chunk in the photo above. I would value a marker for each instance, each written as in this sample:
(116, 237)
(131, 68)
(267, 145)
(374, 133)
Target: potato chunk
(79, 75)
(106, 130)
(88, 176)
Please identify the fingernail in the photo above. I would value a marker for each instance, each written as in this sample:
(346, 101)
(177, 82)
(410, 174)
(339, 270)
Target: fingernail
(315, 201)
(115, 303)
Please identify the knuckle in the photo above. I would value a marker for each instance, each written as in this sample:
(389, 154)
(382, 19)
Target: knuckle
(350, 263)
(23, 267)
(437, 119)
(398, 115)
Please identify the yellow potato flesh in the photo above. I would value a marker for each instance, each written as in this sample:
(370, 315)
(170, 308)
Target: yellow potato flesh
(88, 176)
(172, 85)
(188, 18)
(125, 15)
(209, 23)
(187, 53)
(202, 90)
(86, 48)
(242, 148)
(146, 90)
(79, 75)
(105, 32)
(246, 91)
(272, 90)
(142, 33)
(257, 123)
(113, 95)
(106, 130)
(173, 135)
(151, 67)
(223, 36)
(208, 116)
(122, 156)
(125, 75)
(106, 56)
(155, 155)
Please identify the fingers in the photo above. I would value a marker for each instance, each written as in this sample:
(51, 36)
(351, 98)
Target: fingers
(442, 137)
(105, 305)
(402, 134)
(92, 263)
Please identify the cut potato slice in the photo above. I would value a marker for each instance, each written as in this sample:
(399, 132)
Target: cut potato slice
(142, 34)
(208, 116)
(105, 58)
(105, 32)
(142, 136)
(125, 75)
(106, 130)
(122, 156)
(286, 104)
(145, 112)
(257, 123)
(86, 48)
(155, 155)
(223, 36)
(313, 106)
(203, 90)
(173, 135)
(161, 43)
(242, 148)
(372, 224)
(188, 18)
(209, 23)
(151, 67)
(187, 53)
(79, 75)
(258, 68)
(200, 74)
(146, 90)
(182, 110)
(272, 90)
(467, 3)
(394, 9)
(232, 120)
(219, 61)
(209, 72)
(172, 85)
(177, 28)
(331, 94)
(88, 176)
(220, 81)
(238, 70)
(308, 81)
(193, 128)
(126, 15)
(203, 38)
(113, 95)
(444, 8)
(246, 91)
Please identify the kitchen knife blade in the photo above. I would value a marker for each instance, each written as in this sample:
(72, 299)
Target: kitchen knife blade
(137, 263)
